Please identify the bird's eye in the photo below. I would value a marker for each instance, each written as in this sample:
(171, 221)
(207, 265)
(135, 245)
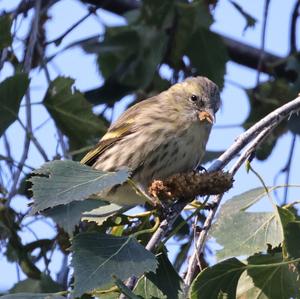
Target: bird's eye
(194, 98)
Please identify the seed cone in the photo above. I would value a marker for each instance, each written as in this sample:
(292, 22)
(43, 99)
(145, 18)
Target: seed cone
(188, 185)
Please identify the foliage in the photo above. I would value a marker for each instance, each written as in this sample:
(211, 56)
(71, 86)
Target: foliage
(51, 187)
(11, 92)
(108, 256)
(260, 252)
(72, 113)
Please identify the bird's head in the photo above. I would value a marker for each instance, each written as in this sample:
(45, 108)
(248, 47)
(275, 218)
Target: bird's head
(198, 96)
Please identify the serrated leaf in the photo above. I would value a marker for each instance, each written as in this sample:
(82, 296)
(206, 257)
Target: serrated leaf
(5, 35)
(33, 296)
(12, 91)
(218, 281)
(241, 232)
(45, 284)
(61, 182)
(69, 215)
(208, 55)
(273, 276)
(164, 283)
(72, 113)
(96, 257)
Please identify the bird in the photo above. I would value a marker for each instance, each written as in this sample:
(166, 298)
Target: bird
(157, 138)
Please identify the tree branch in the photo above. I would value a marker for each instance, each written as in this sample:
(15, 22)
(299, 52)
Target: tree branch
(259, 130)
(193, 262)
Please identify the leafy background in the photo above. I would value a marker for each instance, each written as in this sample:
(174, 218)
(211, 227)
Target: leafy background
(125, 63)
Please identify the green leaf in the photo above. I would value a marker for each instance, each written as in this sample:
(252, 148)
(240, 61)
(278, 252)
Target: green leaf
(69, 215)
(273, 276)
(118, 43)
(43, 285)
(291, 232)
(294, 123)
(208, 55)
(99, 215)
(218, 281)
(12, 91)
(265, 98)
(32, 296)
(293, 70)
(292, 239)
(164, 283)
(96, 257)
(72, 113)
(241, 232)
(285, 216)
(61, 182)
(109, 93)
(124, 289)
(157, 13)
(246, 288)
(190, 18)
(5, 36)
(127, 54)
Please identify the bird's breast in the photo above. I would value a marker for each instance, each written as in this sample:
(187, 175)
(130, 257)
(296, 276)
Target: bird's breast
(180, 153)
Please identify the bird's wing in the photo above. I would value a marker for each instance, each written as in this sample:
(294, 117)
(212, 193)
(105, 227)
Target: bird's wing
(113, 135)
(125, 125)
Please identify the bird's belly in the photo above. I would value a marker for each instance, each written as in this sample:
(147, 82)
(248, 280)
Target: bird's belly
(180, 154)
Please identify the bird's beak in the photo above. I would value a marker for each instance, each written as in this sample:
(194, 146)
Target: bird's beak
(206, 115)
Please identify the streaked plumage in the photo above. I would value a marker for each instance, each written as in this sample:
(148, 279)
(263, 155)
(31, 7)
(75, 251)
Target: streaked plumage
(158, 137)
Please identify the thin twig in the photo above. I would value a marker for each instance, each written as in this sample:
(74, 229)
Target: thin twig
(192, 267)
(287, 169)
(59, 39)
(263, 41)
(63, 145)
(274, 118)
(3, 57)
(9, 160)
(256, 142)
(62, 276)
(27, 67)
(196, 249)
(33, 139)
(293, 30)
(61, 140)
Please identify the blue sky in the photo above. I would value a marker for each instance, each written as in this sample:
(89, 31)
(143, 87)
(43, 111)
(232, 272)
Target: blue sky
(76, 64)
